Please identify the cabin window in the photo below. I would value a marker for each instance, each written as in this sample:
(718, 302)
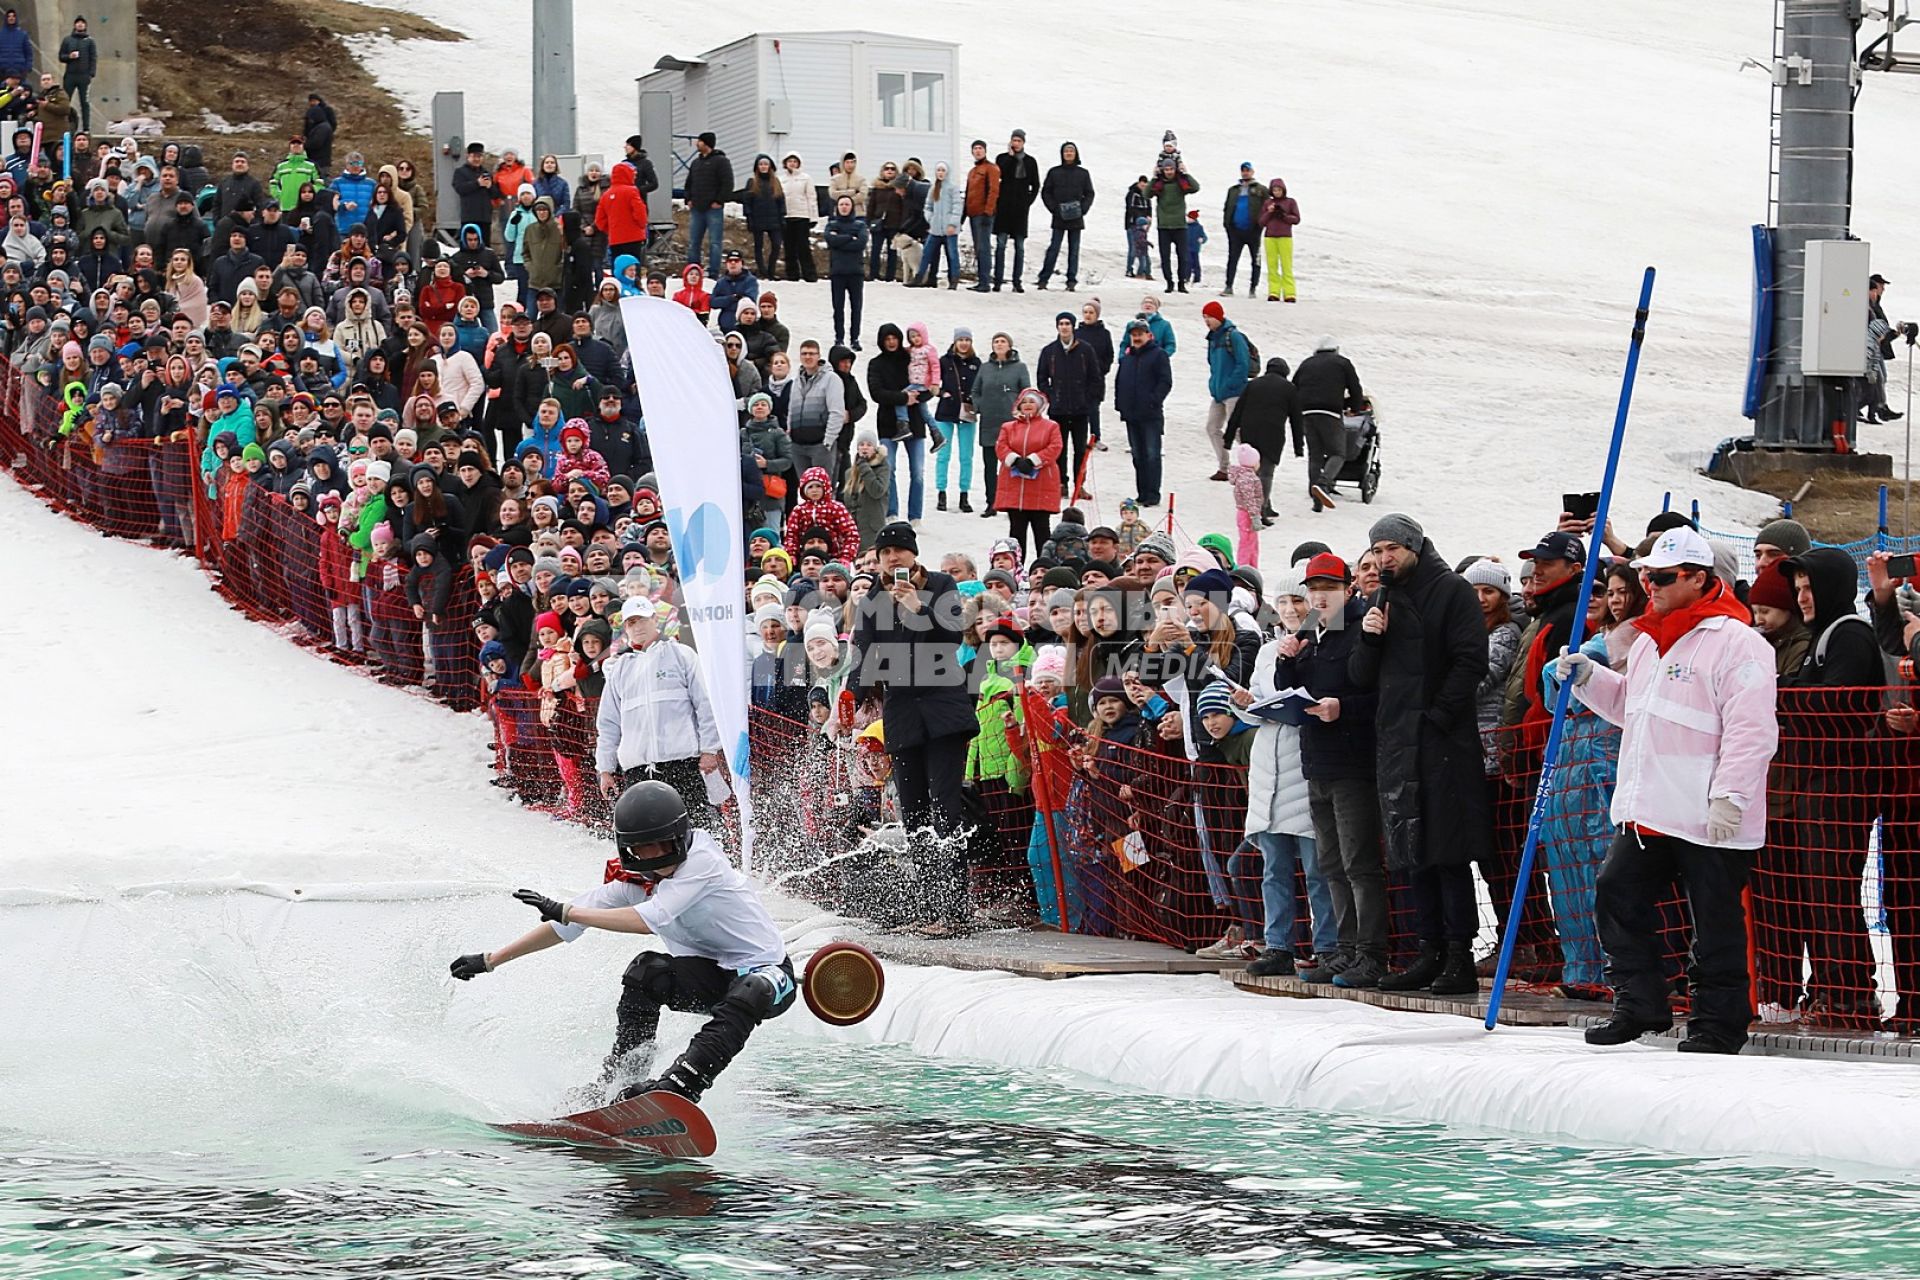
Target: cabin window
(911, 101)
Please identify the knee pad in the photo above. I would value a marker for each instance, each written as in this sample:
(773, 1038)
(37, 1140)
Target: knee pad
(760, 992)
(650, 976)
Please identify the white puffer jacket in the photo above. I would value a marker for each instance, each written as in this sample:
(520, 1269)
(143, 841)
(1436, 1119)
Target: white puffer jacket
(461, 380)
(1276, 785)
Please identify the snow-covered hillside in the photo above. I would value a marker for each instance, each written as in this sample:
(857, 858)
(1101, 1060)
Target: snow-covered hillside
(1482, 182)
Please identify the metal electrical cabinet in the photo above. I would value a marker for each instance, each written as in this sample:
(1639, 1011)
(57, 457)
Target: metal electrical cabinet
(1834, 309)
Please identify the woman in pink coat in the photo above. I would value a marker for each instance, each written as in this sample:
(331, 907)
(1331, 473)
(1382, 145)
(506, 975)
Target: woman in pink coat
(1028, 489)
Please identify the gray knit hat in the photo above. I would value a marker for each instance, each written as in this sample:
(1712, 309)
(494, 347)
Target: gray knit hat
(1158, 544)
(1788, 535)
(1401, 530)
(1489, 573)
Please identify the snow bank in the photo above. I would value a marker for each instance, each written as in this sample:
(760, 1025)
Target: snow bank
(1482, 183)
(1197, 1037)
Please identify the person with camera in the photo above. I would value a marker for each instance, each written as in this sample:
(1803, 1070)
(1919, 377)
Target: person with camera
(1696, 709)
(907, 639)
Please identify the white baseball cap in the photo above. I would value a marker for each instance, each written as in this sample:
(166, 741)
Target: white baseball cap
(1678, 546)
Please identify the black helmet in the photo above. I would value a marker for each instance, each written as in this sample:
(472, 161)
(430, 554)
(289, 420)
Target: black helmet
(646, 813)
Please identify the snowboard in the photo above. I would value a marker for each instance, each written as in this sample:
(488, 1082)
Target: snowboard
(661, 1122)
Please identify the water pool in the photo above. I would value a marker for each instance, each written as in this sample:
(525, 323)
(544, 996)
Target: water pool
(870, 1161)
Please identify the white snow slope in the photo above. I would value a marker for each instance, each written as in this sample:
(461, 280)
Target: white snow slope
(1482, 183)
(226, 861)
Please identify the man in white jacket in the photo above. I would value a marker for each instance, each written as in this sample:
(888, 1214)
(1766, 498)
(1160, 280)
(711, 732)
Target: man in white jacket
(655, 720)
(1696, 705)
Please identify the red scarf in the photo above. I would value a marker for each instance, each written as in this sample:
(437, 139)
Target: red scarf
(1667, 628)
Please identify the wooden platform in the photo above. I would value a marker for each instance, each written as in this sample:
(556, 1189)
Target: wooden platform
(1038, 954)
(1519, 1009)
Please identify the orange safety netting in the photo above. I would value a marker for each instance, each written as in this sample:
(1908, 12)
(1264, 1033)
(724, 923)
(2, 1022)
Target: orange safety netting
(1139, 840)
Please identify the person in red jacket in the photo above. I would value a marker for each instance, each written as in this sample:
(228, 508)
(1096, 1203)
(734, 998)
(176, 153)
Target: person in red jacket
(341, 592)
(621, 215)
(1029, 486)
(438, 301)
(818, 506)
(692, 296)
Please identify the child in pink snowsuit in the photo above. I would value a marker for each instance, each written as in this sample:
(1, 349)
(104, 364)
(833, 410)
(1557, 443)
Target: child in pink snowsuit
(1244, 476)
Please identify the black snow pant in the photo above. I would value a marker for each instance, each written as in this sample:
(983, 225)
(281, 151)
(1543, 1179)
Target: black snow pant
(1638, 871)
(1173, 249)
(683, 776)
(1326, 448)
(695, 984)
(928, 778)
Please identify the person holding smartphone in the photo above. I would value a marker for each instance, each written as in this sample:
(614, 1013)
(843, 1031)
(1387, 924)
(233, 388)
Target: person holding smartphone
(906, 642)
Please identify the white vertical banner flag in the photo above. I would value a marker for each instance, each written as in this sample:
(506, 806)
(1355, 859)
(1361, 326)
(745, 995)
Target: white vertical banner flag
(694, 431)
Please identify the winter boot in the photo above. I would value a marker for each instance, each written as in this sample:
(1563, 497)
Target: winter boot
(1366, 971)
(1330, 965)
(682, 1078)
(1272, 963)
(1419, 975)
(941, 503)
(1457, 978)
(1623, 1029)
(964, 504)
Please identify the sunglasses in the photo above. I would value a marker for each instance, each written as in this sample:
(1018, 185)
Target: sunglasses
(1662, 577)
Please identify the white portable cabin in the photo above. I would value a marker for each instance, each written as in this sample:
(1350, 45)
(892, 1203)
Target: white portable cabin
(820, 93)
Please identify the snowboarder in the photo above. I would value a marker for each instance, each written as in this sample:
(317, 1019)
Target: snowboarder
(724, 955)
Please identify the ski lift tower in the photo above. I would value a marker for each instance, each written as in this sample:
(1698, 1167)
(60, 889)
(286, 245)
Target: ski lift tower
(1810, 306)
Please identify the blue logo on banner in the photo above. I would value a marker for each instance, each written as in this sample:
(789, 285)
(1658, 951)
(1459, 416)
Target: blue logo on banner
(704, 548)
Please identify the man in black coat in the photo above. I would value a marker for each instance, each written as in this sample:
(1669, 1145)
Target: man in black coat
(644, 178)
(617, 437)
(1328, 386)
(1266, 410)
(708, 187)
(1142, 381)
(233, 266)
(318, 129)
(906, 643)
(513, 611)
(1069, 377)
(238, 187)
(1423, 647)
(1019, 188)
(1068, 195)
(473, 186)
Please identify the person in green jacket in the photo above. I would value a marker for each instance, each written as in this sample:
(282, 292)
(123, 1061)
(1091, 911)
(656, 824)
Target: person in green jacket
(291, 174)
(1171, 186)
(372, 512)
(991, 756)
(543, 248)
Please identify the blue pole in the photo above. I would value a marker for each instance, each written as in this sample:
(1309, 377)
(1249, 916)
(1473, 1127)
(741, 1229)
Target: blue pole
(1696, 513)
(1666, 500)
(1880, 535)
(1550, 761)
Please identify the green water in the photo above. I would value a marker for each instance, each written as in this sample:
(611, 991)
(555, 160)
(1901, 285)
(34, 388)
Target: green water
(838, 1160)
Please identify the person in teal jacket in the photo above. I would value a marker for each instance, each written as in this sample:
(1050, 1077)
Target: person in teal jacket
(231, 413)
(626, 270)
(1158, 325)
(1575, 828)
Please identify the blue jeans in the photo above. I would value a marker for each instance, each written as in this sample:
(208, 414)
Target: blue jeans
(959, 436)
(1144, 439)
(1279, 855)
(1040, 863)
(1139, 258)
(916, 490)
(1053, 254)
(705, 226)
(981, 224)
(930, 259)
(1000, 258)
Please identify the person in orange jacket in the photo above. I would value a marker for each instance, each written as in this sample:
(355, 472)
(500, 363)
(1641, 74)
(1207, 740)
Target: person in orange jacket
(693, 296)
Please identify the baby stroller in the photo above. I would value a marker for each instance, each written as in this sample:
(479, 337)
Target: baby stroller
(1363, 451)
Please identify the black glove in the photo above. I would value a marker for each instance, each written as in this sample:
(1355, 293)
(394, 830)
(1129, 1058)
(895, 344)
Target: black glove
(547, 907)
(467, 967)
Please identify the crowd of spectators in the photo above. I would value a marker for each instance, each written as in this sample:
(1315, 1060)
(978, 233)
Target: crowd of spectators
(1324, 747)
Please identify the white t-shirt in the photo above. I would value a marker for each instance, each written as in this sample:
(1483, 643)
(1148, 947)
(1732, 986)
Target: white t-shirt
(705, 908)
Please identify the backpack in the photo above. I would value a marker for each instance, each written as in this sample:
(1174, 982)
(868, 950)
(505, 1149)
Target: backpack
(856, 403)
(1254, 366)
(1889, 664)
